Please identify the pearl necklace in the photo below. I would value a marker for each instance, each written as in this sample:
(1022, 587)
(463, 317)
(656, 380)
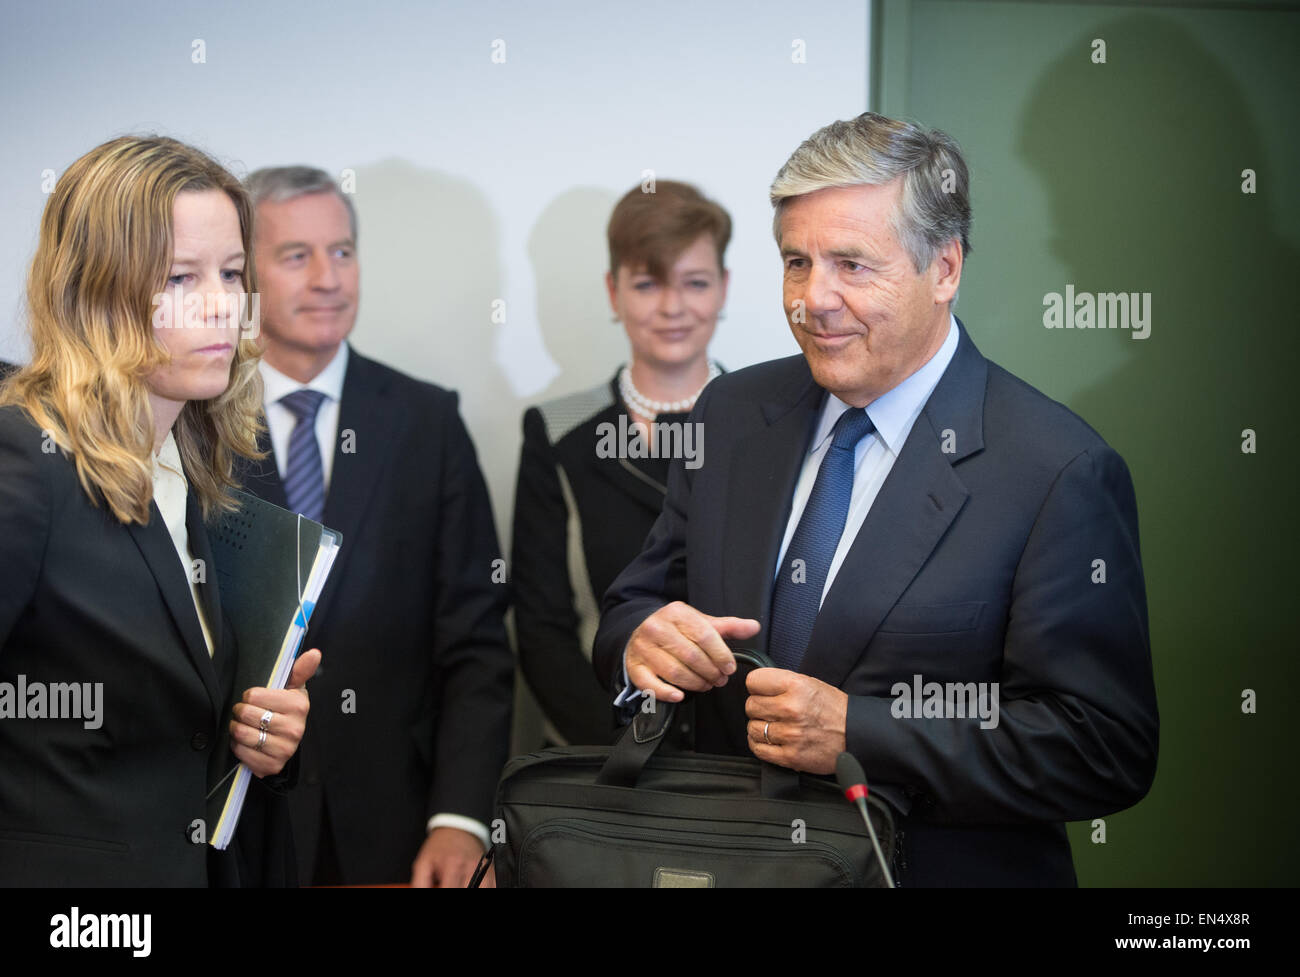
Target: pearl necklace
(646, 407)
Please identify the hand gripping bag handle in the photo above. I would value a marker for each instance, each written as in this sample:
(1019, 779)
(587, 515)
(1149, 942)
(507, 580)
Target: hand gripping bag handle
(647, 731)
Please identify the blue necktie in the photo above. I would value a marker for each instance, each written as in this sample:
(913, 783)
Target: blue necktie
(798, 594)
(304, 478)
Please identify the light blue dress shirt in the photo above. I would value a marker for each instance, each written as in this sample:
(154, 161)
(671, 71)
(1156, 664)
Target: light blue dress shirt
(893, 414)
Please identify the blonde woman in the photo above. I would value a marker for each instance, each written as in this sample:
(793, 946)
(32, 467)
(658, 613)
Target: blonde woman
(116, 443)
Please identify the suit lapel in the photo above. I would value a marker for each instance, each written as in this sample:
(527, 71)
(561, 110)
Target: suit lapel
(635, 481)
(262, 477)
(623, 473)
(766, 466)
(365, 411)
(916, 505)
(209, 593)
(159, 552)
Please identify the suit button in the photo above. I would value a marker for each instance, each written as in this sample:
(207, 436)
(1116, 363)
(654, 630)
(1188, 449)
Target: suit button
(685, 728)
(199, 741)
(312, 780)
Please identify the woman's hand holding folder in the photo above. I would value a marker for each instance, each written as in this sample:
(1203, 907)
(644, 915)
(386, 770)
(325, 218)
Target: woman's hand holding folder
(269, 723)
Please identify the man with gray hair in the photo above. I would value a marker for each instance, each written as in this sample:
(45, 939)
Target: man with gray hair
(890, 511)
(412, 715)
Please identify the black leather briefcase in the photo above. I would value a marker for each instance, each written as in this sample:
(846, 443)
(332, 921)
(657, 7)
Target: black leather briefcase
(632, 815)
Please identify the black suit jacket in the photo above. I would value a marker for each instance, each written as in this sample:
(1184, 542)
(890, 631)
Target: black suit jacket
(411, 628)
(86, 599)
(975, 564)
(579, 520)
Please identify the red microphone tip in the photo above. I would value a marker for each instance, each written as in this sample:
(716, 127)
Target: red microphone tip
(856, 792)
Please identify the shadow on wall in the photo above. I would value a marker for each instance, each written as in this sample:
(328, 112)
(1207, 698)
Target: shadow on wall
(430, 271)
(1142, 160)
(428, 283)
(569, 253)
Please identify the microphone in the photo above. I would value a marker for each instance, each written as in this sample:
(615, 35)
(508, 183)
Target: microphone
(853, 781)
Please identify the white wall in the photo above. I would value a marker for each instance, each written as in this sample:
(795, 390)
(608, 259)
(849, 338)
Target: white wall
(475, 180)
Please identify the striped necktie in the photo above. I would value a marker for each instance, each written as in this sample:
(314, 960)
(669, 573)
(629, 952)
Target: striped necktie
(304, 477)
(798, 593)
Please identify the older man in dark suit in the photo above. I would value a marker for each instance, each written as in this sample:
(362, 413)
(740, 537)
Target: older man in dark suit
(891, 514)
(412, 721)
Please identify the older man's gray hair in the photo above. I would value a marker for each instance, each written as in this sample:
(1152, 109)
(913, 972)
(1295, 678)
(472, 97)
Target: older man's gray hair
(873, 149)
(280, 183)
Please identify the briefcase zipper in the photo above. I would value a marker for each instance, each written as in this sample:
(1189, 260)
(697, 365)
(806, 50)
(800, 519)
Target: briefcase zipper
(626, 834)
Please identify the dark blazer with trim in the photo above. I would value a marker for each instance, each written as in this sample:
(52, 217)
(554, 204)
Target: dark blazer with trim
(411, 628)
(86, 599)
(975, 564)
(579, 520)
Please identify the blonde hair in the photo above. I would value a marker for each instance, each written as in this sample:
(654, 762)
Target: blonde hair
(104, 252)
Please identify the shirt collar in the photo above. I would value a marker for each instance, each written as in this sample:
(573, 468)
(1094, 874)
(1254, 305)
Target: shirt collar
(169, 457)
(328, 381)
(894, 411)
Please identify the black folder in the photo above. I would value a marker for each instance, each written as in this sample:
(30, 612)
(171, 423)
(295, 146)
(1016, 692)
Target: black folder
(271, 565)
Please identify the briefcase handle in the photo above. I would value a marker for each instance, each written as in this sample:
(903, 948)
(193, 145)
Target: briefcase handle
(647, 731)
(756, 658)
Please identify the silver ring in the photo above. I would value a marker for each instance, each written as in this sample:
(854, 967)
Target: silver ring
(765, 736)
(266, 720)
(261, 739)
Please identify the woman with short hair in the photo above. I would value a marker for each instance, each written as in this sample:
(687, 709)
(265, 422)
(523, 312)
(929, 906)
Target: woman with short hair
(588, 492)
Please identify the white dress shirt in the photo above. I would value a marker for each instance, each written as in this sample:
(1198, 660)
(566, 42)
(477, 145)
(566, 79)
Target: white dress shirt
(170, 490)
(893, 414)
(280, 421)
